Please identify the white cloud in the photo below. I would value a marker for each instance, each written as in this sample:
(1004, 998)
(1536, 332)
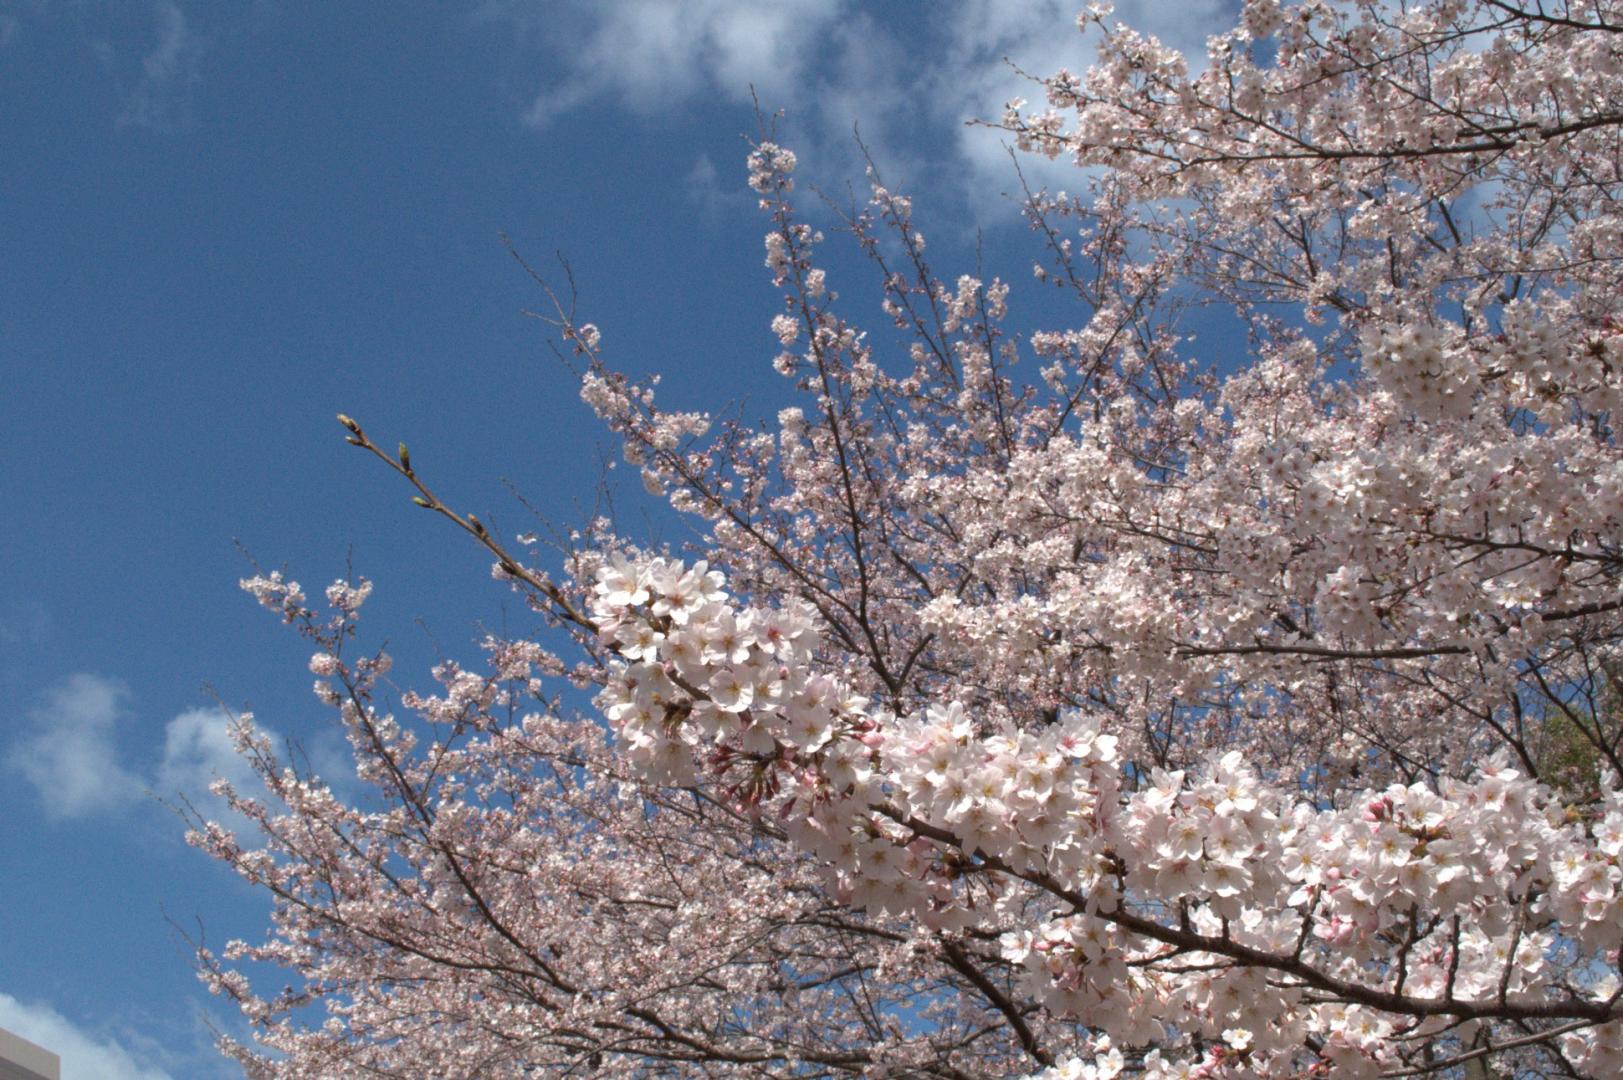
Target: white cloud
(162, 97)
(975, 78)
(827, 64)
(197, 749)
(904, 81)
(650, 54)
(71, 756)
(86, 1055)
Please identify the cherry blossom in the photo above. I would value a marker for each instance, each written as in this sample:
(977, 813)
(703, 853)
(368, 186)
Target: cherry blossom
(1139, 711)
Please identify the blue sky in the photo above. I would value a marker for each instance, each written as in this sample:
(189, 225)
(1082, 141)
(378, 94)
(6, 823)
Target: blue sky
(223, 223)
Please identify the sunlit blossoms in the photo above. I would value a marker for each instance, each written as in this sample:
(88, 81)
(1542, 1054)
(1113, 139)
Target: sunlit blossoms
(1075, 699)
(1283, 903)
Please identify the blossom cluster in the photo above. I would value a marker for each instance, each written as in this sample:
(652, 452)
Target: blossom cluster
(1426, 895)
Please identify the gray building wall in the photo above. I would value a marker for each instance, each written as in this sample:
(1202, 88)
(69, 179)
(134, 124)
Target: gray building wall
(22, 1060)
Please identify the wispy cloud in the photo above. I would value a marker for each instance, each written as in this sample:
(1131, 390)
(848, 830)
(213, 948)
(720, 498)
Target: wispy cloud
(70, 755)
(908, 84)
(197, 750)
(151, 52)
(162, 97)
(710, 192)
(86, 1054)
(647, 55)
(994, 49)
(826, 63)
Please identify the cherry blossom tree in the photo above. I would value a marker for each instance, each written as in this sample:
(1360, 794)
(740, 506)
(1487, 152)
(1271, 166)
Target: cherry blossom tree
(1149, 713)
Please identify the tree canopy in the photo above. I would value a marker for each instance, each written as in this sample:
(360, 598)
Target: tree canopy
(1136, 712)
